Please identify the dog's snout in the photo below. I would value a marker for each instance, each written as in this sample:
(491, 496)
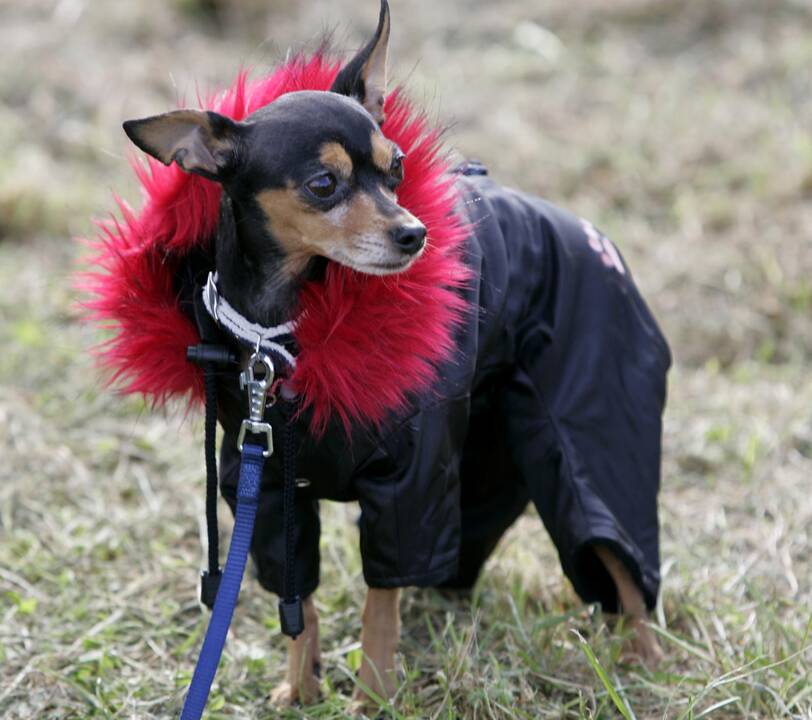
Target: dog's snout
(410, 238)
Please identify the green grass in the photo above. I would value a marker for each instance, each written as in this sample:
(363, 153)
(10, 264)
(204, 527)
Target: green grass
(681, 129)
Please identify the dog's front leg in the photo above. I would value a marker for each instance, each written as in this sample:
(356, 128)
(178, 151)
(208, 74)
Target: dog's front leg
(380, 633)
(304, 663)
(643, 644)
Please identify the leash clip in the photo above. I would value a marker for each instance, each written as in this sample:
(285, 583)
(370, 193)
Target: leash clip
(212, 297)
(257, 379)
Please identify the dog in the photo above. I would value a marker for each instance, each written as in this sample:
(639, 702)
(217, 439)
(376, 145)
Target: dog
(554, 395)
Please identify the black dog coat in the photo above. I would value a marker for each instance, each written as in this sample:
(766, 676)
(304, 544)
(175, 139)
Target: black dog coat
(555, 396)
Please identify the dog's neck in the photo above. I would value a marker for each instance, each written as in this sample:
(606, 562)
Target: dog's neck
(263, 290)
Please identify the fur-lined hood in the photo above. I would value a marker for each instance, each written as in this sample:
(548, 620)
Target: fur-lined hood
(366, 343)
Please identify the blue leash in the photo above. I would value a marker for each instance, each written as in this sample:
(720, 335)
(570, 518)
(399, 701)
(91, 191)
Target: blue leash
(253, 460)
(227, 585)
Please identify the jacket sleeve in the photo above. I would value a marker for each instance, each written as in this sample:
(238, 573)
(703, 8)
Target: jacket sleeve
(408, 490)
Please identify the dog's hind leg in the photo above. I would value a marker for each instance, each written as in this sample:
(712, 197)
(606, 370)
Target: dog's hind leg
(380, 633)
(643, 644)
(304, 663)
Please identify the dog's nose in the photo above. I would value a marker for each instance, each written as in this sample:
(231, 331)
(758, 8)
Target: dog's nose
(410, 238)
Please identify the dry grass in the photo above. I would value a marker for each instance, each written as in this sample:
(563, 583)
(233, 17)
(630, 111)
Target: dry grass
(681, 128)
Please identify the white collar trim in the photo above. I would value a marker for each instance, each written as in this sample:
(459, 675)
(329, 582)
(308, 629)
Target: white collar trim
(243, 329)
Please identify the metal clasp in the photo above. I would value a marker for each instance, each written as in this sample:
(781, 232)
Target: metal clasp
(257, 379)
(213, 298)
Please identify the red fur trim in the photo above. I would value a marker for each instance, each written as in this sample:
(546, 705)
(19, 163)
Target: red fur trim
(366, 343)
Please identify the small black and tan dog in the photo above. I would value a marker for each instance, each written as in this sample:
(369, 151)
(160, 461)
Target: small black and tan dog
(557, 400)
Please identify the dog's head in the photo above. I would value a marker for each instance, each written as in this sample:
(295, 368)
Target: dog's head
(309, 175)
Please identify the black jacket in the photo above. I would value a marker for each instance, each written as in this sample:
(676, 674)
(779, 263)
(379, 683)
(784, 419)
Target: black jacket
(555, 396)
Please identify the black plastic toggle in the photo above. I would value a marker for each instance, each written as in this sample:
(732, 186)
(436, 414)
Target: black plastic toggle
(291, 617)
(207, 353)
(209, 585)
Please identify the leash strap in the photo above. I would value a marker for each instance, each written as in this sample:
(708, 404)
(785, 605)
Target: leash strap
(210, 357)
(210, 579)
(291, 610)
(253, 460)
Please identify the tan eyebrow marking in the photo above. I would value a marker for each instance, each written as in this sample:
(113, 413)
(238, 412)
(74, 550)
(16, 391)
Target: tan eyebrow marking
(382, 151)
(334, 156)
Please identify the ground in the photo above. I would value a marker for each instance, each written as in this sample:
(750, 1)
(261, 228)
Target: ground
(680, 129)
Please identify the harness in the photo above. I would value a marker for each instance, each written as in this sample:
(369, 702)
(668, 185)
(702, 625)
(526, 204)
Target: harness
(219, 590)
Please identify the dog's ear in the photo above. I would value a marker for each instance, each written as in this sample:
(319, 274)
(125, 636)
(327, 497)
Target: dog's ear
(364, 77)
(199, 141)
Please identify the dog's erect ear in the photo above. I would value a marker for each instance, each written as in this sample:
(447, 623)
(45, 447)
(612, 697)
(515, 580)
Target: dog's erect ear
(364, 77)
(199, 141)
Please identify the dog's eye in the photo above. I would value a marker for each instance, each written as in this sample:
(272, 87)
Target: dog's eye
(396, 171)
(322, 186)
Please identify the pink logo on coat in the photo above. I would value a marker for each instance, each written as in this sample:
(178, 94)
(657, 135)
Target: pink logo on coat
(603, 246)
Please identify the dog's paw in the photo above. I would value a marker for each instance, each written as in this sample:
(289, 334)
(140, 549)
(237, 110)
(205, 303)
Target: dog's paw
(357, 709)
(642, 647)
(286, 695)
(283, 695)
(363, 706)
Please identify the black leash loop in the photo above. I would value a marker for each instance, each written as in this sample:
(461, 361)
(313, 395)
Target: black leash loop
(210, 579)
(291, 612)
(210, 357)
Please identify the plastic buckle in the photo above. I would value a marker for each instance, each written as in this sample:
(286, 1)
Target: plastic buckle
(291, 617)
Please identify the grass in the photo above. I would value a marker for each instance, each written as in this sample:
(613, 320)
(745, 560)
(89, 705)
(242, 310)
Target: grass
(681, 129)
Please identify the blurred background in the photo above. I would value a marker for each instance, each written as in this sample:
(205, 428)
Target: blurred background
(682, 129)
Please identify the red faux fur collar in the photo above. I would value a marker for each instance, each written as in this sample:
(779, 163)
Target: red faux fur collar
(366, 343)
